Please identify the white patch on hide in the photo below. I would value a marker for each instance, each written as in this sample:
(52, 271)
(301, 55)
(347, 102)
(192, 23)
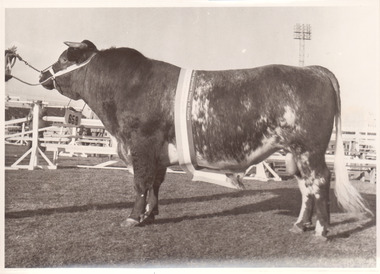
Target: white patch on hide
(246, 147)
(199, 112)
(319, 229)
(262, 152)
(247, 105)
(172, 153)
(289, 116)
(263, 119)
(291, 166)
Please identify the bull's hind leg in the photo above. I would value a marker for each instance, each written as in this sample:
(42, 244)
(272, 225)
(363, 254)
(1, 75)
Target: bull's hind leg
(316, 178)
(304, 220)
(321, 192)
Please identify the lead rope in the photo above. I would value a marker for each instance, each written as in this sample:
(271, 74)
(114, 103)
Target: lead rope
(27, 83)
(30, 84)
(26, 63)
(59, 73)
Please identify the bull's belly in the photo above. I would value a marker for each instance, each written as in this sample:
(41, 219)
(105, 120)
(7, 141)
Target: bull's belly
(237, 164)
(223, 162)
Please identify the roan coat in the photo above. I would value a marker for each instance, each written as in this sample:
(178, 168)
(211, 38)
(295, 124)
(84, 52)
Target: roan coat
(239, 118)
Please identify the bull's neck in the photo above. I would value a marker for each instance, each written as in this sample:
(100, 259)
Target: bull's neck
(115, 94)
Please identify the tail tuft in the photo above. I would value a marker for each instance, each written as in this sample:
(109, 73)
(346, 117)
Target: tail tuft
(348, 197)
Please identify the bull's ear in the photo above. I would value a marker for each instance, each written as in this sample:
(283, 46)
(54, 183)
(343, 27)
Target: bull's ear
(74, 54)
(80, 52)
(89, 44)
(76, 45)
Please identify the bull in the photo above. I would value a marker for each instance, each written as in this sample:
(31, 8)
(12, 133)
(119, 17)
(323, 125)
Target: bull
(238, 118)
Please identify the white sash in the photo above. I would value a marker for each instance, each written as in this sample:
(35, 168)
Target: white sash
(184, 134)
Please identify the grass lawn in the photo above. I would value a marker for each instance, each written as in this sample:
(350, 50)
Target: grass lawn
(71, 217)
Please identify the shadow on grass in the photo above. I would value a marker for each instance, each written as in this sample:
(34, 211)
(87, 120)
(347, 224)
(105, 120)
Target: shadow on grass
(68, 209)
(347, 233)
(286, 201)
(121, 205)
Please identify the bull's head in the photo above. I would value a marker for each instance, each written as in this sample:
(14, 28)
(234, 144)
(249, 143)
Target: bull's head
(59, 75)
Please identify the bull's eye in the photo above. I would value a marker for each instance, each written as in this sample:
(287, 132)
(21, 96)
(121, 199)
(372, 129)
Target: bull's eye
(64, 60)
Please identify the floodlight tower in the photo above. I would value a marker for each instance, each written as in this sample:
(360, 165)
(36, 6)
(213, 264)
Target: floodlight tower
(302, 32)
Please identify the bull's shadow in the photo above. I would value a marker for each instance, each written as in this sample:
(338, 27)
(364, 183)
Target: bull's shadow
(126, 205)
(292, 196)
(285, 201)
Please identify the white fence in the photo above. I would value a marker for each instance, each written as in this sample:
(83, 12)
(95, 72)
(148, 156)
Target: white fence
(60, 139)
(360, 146)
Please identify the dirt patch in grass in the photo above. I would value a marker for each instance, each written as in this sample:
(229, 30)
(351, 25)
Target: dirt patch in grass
(71, 217)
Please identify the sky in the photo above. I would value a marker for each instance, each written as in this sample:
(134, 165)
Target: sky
(345, 39)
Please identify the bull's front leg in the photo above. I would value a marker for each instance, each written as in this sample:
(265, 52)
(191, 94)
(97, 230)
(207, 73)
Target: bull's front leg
(137, 213)
(151, 208)
(144, 176)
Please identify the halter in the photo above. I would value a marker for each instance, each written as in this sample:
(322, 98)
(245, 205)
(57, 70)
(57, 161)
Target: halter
(64, 71)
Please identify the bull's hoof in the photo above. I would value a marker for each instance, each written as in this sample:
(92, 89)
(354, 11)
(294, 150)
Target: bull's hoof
(320, 239)
(320, 236)
(235, 180)
(308, 226)
(129, 222)
(297, 229)
(147, 220)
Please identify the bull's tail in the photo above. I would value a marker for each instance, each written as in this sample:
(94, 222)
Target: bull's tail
(348, 197)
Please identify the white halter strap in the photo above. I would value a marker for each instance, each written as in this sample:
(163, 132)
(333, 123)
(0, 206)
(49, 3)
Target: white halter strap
(66, 70)
(70, 68)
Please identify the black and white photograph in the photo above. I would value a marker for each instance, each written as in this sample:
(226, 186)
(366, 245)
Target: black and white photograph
(165, 136)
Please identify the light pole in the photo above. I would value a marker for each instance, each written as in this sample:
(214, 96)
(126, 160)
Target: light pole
(302, 32)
